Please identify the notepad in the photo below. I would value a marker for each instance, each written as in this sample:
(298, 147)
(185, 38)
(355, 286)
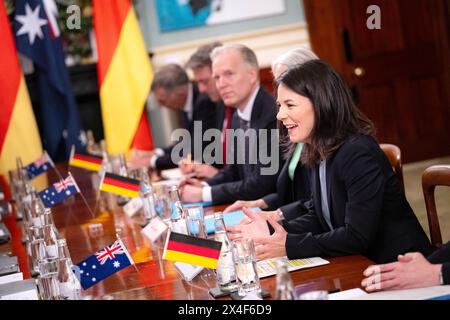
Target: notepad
(268, 267)
(203, 204)
(231, 219)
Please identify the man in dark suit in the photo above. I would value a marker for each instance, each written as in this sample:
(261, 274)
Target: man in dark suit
(236, 72)
(172, 89)
(200, 65)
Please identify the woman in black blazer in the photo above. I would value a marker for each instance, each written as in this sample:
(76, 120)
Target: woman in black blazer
(293, 180)
(357, 205)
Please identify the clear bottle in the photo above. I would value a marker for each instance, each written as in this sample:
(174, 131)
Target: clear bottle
(178, 218)
(123, 171)
(69, 286)
(37, 209)
(147, 196)
(106, 162)
(91, 146)
(226, 273)
(284, 287)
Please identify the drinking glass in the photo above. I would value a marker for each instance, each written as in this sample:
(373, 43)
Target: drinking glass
(244, 258)
(48, 279)
(196, 221)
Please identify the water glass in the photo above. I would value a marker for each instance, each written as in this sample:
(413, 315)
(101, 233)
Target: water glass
(50, 239)
(196, 221)
(244, 258)
(48, 279)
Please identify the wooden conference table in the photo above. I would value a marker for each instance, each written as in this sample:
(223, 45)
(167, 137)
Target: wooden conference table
(154, 278)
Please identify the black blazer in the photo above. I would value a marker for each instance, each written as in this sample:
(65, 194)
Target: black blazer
(231, 183)
(288, 191)
(204, 110)
(442, 255)
(368, 209)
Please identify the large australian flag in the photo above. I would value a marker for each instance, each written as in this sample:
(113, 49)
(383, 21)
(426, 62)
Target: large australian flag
(38, 38)
(102, 264)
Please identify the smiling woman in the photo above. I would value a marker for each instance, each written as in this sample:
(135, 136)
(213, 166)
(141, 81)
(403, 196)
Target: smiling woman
(357, 205)
(296, 113)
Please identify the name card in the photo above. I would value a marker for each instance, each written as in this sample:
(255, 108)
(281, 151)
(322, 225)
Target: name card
(187, 271)
(11, 277)
(95, 230)
(133, 206)
(154, 229)
(19, 290)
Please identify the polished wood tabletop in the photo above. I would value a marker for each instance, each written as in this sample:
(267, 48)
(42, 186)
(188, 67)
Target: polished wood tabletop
(152, 277)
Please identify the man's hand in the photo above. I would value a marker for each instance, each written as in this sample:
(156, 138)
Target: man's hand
(139, 160)
(205, 171)
(190, 181)
(191, 193)
(411, 270)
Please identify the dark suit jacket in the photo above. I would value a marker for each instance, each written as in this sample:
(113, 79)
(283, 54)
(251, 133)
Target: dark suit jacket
(204, 110)
(231, 183)
(288, 191)
(442, 255)
(369, 211)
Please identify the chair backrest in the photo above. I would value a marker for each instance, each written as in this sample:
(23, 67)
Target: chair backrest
(394, 155)
(438, 175)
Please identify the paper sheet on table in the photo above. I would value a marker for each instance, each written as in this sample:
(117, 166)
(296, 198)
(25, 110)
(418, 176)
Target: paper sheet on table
(168, 183)
(347, 294)
(268, 267)
(410, 294)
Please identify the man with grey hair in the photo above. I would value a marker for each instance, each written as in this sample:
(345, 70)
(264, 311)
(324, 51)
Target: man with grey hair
(236, 73)
(172, 89)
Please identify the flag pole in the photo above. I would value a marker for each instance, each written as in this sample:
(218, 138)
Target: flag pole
(82, 196)
(97, 197)
(129, 257)
(54, 166)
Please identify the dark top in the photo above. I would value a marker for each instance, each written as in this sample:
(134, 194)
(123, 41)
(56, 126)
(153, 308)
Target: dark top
(442, 255)
(204, 110)
(245, 181)
(368, 209)
(288, 191)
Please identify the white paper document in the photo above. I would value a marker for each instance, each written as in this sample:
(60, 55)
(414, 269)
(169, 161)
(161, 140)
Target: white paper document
(268, 267)
(409, 294)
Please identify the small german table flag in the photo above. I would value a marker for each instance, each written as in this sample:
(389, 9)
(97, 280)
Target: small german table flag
(120, 185)
(197, 251)
(85, 161)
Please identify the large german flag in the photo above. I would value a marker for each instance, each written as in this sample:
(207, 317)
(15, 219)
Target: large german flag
(19, 135)
(85, 161)
(120, 185)
(125, 76)
(192, 250)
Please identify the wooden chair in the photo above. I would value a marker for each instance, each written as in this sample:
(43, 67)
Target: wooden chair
(394, 155)
(438, 175)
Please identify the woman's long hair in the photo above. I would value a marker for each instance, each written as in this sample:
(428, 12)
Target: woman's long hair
(335, 115)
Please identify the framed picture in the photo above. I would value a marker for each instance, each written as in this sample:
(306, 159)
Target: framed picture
(182, 14)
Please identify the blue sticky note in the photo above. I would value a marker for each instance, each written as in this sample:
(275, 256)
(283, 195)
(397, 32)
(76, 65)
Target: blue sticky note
(230, 219)
(203, 204)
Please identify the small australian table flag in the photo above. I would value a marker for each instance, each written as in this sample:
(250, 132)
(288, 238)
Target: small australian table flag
(102, 264)
(39, 166)
(59, 191)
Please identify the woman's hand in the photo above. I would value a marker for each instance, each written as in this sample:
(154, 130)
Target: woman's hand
(271, 246)
(238, 205)
(253, 226)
